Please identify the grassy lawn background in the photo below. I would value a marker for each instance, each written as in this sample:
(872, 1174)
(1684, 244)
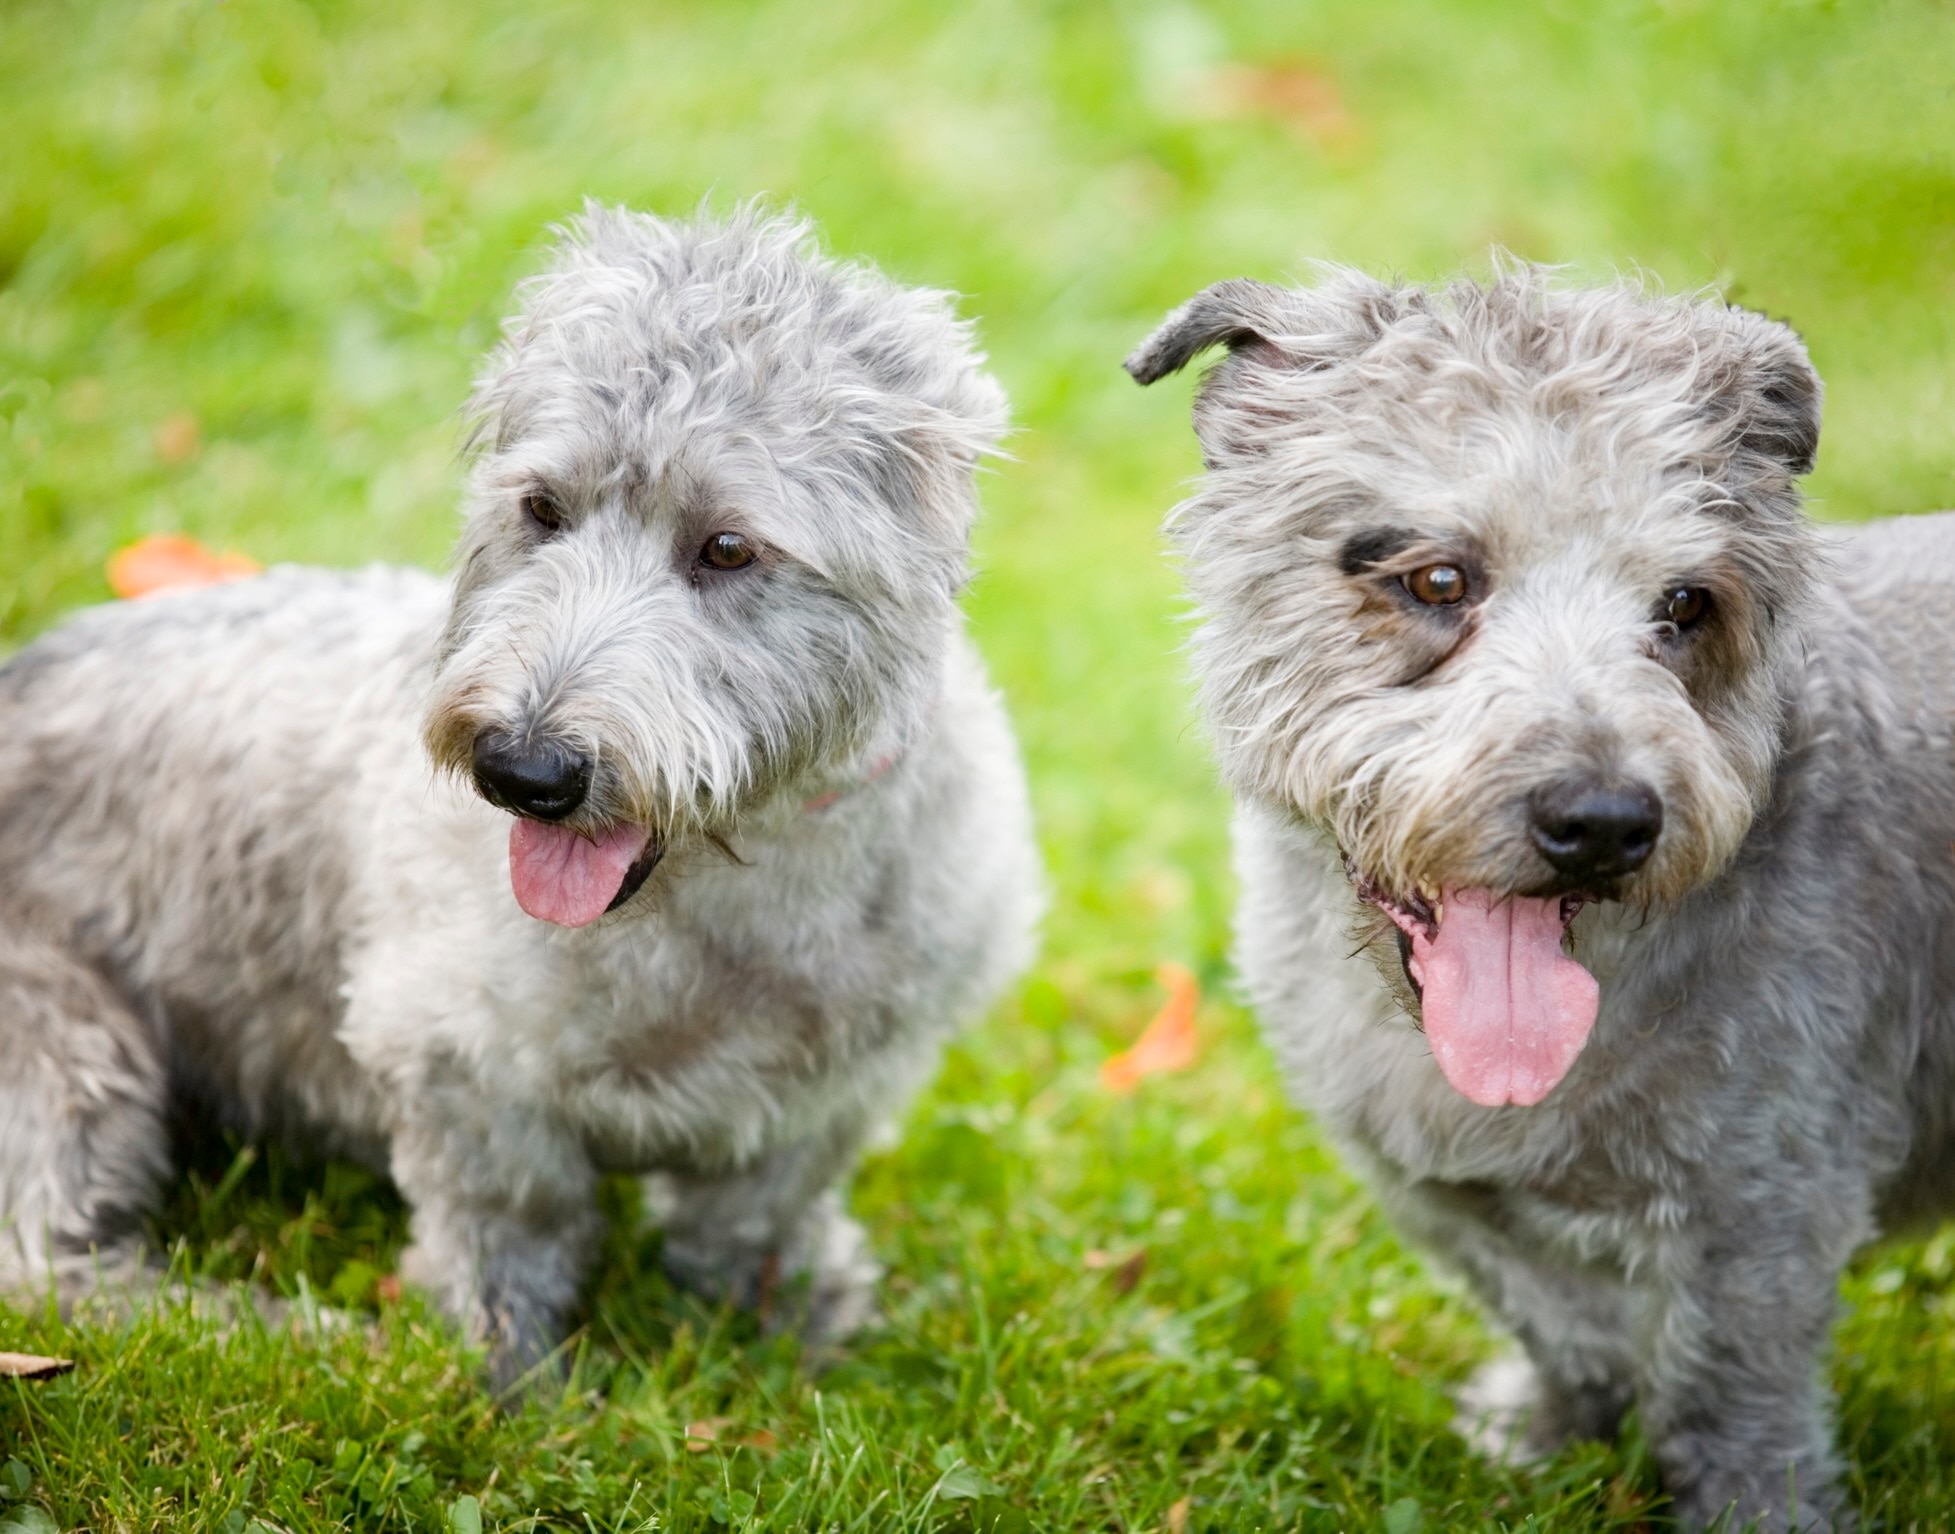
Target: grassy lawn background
(249, 254)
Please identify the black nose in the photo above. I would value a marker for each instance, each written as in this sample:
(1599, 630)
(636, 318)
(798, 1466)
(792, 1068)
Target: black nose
(542, 779)
(1593, 833)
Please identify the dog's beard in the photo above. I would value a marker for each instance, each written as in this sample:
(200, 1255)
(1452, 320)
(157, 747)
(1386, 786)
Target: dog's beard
(1505, 1009)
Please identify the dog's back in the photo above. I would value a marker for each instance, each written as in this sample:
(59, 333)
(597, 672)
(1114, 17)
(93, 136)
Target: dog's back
(1898, 577)
(178, 778)
(1900, 574)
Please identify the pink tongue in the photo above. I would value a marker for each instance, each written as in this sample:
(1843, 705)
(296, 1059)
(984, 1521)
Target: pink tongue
(1506, 1011)
(563, 877)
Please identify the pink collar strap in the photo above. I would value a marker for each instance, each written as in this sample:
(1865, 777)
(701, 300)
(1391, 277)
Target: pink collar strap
(822, 801)
(882, 765)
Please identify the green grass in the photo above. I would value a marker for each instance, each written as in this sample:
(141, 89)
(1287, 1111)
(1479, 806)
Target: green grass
(249, 253)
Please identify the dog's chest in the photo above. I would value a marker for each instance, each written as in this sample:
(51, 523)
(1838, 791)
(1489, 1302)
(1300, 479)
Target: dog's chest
(698, 1053)
(1604, 1161)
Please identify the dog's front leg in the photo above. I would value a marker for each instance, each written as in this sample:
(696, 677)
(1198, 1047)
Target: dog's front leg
(1577, 1325)
(1733, 1400)
(504, 1224)
(775, 1237)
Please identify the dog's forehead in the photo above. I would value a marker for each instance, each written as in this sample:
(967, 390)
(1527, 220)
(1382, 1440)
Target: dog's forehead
(1538, 491)
(631, 340)
(651, 431)
(1531, 383)
(766, 406)
(1517, 481)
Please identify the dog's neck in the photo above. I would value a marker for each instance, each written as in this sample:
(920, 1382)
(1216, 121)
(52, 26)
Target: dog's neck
(881, 765)
(905, 740)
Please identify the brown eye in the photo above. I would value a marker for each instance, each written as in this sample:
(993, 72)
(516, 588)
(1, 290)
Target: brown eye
(1686, 606)
(543, 511)
(726, 551)
(1437, 585)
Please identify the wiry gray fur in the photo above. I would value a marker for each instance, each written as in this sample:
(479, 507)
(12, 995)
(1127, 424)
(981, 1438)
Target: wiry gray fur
(231, 877)
(1771, 1080)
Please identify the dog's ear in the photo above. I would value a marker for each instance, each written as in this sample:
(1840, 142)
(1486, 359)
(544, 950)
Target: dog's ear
(931, 450)
(1236, 313)
(1275, 336)
(1775, 395)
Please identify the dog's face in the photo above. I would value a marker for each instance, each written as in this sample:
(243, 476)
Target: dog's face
(1500, 587)
(719, 515)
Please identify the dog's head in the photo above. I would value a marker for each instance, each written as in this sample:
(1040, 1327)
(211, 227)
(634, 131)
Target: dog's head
(718, 516)
(1501, 586)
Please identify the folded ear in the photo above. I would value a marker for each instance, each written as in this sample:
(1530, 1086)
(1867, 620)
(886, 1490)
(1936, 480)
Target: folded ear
(933, 411)
(1279, 341)
(1239, 312)
(1775, 395)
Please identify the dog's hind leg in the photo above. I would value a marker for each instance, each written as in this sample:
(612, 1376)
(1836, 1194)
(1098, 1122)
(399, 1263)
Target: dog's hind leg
(84, 1141)
(776, 1237)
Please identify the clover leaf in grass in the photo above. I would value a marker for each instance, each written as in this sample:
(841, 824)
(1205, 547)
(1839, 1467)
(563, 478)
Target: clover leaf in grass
(965, 1484)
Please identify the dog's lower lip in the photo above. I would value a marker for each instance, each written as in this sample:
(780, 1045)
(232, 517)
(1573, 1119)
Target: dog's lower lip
(639, 872)
(1430, 915)
(1405, 962)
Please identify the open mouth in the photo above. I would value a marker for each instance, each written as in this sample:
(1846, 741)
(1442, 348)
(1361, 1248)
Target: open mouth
(571, 878)
(1506, 1010)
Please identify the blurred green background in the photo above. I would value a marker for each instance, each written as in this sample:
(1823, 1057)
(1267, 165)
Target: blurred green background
(250, 252)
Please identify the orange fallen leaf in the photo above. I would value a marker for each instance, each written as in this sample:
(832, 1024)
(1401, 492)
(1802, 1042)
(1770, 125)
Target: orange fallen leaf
(1169, 1043)
(387, 1289)
(1296, 92)
(1126, 1270)
(1178, 1517)
(703, 1434)
(166, 561)
(178, 439)
(32, 1366)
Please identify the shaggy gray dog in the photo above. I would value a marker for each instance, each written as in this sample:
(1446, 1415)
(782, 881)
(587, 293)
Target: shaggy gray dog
(770, 838)
(1595, 825)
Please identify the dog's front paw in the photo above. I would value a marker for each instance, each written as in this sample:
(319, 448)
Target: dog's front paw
(842, 1278)
(1497, 1409)
(818, 1279)
(1509, 1413)
(1788, 1503)
(517, 1320)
